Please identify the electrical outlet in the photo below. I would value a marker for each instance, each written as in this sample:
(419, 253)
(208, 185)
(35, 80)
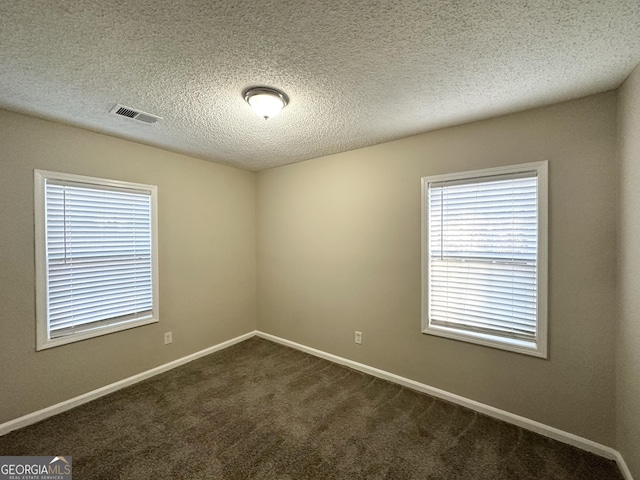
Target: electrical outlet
(168, 338)
(358, 337)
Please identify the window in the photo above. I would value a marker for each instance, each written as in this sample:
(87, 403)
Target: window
(485, 257)
(96, 257)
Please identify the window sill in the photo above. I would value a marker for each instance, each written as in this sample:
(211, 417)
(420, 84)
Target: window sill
(95, 332)
(509, 344)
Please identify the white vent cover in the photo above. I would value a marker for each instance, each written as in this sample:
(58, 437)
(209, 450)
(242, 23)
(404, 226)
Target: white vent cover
(139, 115)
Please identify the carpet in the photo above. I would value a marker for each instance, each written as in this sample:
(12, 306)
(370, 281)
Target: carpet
(259, 410)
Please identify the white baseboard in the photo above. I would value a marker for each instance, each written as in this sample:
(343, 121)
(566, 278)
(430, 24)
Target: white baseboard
(528, 424)
(100, 392)
(622, 465)
(542, 429)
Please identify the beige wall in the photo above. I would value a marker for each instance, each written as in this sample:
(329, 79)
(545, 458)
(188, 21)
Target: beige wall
(339, 250)
(628, 332)
(207, 261)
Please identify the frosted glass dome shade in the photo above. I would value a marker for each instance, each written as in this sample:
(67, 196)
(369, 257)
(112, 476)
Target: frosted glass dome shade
(266, 102)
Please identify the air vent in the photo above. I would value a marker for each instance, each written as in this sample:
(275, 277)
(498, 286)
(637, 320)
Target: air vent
(139, 115)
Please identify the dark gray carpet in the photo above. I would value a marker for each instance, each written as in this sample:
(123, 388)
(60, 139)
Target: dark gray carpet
(259, 410)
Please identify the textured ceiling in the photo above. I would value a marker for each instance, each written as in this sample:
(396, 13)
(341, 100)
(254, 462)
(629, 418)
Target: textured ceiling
(358, 72)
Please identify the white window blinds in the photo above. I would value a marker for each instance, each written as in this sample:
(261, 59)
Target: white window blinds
(99, 256)
(483, 255)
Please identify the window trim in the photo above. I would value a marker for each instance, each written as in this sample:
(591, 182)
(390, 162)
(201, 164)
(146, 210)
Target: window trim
(42, 328)
(537, 348)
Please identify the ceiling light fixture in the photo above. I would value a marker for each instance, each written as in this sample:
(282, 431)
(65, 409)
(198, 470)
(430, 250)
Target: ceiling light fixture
(267, 102)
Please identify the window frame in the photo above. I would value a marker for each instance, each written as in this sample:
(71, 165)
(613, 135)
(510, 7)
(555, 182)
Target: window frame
(42, 321)
(538, 348)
